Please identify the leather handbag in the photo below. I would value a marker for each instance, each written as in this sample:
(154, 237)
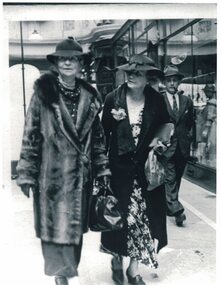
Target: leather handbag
(155, 165)
(105, 213)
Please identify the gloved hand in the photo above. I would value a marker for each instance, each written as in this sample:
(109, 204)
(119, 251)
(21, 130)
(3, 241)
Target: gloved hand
(103, 181)
(26, 189)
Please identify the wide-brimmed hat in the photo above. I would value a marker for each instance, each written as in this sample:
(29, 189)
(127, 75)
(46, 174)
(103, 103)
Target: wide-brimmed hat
(141, 63)
(172, 70)
(209, 87)
(66, 48)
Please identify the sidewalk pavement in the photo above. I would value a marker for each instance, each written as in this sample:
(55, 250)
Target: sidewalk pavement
(189, 258)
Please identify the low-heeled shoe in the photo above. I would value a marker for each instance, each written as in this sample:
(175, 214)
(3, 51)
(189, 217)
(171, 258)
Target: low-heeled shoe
(136, 280)
(117, 270)
(180, 219)
(61, 280)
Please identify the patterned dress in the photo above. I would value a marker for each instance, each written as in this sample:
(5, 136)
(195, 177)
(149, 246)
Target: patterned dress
(140, 245)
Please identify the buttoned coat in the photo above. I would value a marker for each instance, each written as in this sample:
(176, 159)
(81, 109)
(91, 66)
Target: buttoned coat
(127, 162)
(50, 161)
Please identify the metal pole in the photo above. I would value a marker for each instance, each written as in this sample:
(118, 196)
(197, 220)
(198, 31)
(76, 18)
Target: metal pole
(23, 69)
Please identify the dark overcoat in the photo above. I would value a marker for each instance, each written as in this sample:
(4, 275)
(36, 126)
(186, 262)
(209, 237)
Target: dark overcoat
(127, 162)
(50, 161)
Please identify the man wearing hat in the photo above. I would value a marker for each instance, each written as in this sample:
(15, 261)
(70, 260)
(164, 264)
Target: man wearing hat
(180, 108)
(63, 141)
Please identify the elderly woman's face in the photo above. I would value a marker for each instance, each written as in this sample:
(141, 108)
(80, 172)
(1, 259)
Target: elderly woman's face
(68, 66)
(136, 79)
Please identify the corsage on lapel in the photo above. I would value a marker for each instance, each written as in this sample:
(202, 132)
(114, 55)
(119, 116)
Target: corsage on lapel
(119, 114)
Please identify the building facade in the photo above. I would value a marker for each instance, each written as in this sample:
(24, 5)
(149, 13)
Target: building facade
(191, 44)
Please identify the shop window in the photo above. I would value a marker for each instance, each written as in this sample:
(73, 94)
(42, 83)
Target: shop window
(194, 52)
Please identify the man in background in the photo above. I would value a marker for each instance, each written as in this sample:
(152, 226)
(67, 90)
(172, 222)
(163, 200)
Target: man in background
(180, 108)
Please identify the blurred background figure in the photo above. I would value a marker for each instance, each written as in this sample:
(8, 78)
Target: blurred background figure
(207, 127)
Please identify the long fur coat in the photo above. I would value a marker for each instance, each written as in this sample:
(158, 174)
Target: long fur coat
(50, 160)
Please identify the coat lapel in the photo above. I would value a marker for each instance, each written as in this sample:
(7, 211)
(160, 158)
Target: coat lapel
(148, 114)
(169, 108)
(67, 121)
(124, 133)
(182, 105)
(88, 108)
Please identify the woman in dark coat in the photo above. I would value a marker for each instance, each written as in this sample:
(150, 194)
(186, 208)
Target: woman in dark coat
(131, 115)
(62, 151)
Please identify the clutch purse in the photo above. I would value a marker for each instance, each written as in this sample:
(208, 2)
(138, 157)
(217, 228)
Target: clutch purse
(105, 213)
(154, 167)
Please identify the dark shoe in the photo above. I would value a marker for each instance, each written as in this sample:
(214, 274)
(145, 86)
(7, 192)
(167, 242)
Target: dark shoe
(61, 280)
(136, 280)
(117, 270)
(180, 219)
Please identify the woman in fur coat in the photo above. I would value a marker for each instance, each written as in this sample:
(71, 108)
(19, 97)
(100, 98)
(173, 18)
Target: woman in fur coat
(62, 152)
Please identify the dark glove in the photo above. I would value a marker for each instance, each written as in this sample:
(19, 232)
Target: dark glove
(26, 189)
(103, 182)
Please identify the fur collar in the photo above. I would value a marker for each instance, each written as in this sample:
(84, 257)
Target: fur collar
(47, 88)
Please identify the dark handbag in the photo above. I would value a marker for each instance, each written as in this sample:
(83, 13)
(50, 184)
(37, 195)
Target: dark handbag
(154, 167)
(105, 213)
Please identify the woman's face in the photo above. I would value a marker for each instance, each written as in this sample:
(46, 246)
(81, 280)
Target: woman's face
(136, 79)
(68, 66)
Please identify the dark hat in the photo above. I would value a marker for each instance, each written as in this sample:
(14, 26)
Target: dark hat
(209, 87)
(66, 48)
(141, 63)
(172, 70)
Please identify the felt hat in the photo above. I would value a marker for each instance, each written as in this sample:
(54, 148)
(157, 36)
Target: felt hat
(140, 62)
(172, 70)
(66, 48)
(209, 87)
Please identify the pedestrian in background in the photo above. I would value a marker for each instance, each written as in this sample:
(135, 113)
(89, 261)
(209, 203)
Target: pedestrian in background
(132, 113)
(180, 108)
(62, 152)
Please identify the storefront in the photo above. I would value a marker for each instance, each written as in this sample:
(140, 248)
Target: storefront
(191, 44)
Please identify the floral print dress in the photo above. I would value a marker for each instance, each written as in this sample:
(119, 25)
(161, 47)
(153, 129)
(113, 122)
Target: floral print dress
(140, 245)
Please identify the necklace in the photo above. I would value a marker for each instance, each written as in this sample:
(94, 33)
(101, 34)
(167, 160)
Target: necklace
(67, 85)
(71, 94)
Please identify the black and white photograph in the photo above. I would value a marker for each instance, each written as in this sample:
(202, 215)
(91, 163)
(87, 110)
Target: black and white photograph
(108, 143)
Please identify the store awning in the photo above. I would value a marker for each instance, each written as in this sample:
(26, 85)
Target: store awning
(200, 79)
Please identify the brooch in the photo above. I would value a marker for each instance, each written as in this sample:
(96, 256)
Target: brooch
(119, 114)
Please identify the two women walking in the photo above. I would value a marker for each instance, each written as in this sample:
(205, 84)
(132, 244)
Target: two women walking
(65, 148)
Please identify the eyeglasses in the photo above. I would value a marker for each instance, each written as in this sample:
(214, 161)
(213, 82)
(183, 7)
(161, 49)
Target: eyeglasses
(69, 58)
(134, 72)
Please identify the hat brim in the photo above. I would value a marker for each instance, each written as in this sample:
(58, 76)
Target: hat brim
(65, 53)
(149, 68)
(179, 75)
(211, 90)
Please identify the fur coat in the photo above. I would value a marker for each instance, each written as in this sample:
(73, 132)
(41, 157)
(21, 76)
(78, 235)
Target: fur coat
(50, 161)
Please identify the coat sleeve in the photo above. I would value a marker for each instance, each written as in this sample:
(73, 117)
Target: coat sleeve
(165, 118)
(190, 122)
(30, 158)
(107, 119)
(164, 114)
(99, 158)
